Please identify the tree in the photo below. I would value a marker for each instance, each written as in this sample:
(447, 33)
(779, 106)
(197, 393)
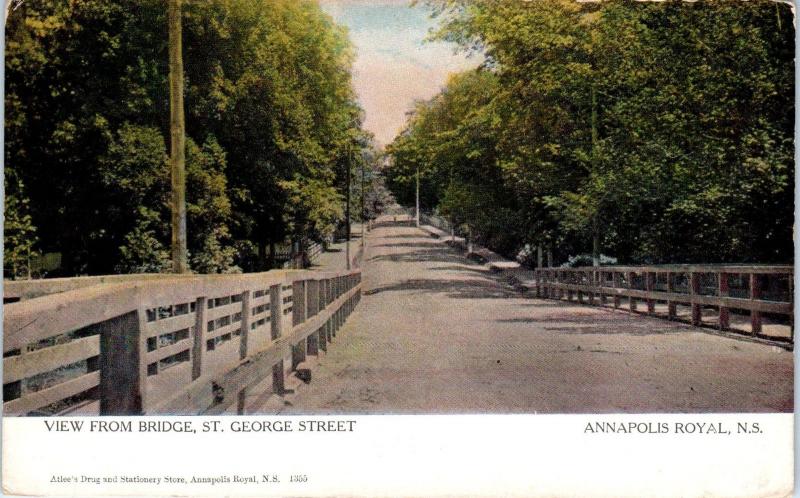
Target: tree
(659, 132)
(20, 233)
(270, 110)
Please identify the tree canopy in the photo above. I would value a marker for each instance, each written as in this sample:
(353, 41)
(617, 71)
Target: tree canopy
(271, 121)
(663, 128)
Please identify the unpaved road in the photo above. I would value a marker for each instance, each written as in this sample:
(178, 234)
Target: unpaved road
(437, 334)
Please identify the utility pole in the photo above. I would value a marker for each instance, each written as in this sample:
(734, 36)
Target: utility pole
(347, 211)
(363, 204)
(417, 216)
(177, 157)
(596, 216)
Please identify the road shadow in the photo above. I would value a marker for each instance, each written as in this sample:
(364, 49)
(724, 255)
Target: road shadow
(404, 236)
(456, 289)
(543, 304)
(412, 244)
(431, 256)
(592, 327)
(465, 268)
(390, 223)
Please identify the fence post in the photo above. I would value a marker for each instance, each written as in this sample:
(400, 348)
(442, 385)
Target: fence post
(755, 294)
(590, 279)
(298, 353)
(278, 384)
(555, 275)
(328, 330)
(323, 338)
(537, 275)
(616, 281)
(123, 372)
(568, 280)
(631, 299)
(723, 291)
(323, 300)
(545, 284)
(312, 297)
(312, 344)
(555, 293)
(650, 284)
(276, 310)
(244, 330)
(601, 281)
(672, 308)
(298, 302)
(694, 289)
(323, 291)
(200, 331)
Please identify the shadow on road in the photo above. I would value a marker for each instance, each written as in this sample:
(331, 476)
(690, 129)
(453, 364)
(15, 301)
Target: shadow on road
(403, 236)
(597, 325)
(457, 289)
(464, 268)
(390, 223)
(420, 244)
(437, 256)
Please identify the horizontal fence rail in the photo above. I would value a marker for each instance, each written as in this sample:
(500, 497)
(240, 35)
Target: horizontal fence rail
(751, 295)
(167, 345)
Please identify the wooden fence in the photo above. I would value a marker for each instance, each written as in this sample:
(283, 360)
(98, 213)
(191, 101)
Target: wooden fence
(750, 290)
(180, 345)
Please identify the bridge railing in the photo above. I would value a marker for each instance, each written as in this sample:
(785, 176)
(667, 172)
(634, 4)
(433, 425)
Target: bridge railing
(179, 345)
(756, 292)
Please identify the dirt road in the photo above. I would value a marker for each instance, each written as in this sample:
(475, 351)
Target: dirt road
(437, 334)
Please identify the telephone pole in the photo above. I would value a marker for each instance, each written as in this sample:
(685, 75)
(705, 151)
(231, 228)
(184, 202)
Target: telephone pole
(596, 215)
(177, 158)
(417, 216)
(363, 204)
(347, 211)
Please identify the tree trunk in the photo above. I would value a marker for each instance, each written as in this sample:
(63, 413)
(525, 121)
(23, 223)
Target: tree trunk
(271, 261)
(177, 142)
(262, 264)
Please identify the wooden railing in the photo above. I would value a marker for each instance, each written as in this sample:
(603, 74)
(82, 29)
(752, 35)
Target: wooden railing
(161, 345)
(754, 292)
(314, 251)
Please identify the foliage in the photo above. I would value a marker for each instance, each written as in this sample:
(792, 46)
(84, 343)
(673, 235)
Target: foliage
(20, 233)
(314, 208)
(663, 129)
(269, 106)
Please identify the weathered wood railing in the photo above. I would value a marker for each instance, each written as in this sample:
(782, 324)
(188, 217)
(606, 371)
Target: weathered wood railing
(167, 345)
(754, 290)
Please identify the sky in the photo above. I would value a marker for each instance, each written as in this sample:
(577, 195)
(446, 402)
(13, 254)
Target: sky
(394, 64)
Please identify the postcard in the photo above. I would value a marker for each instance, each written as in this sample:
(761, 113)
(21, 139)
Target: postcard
(389, 248)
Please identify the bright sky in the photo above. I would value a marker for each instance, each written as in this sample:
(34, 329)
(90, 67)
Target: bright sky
(394, 65)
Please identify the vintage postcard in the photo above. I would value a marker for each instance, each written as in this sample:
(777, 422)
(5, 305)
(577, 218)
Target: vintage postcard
(398, 248)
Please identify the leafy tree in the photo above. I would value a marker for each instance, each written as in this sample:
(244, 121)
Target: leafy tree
(20, 233)
(663, 131)
(270, 111)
